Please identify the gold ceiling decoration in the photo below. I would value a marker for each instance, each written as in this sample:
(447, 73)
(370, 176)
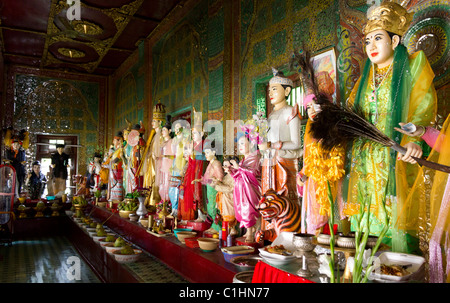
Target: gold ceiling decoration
(71, 53)
(86, 31)
(87, 28)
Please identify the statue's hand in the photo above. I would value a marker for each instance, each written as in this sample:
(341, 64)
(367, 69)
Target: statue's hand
(412, 150)
(301, 179)
(214, 181)
(235, 165)
(417, 133)
(263, 146)
(277, 145)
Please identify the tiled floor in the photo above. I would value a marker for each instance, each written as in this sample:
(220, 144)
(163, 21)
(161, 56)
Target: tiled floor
(148, 269)
(51, 260)
(43, 260)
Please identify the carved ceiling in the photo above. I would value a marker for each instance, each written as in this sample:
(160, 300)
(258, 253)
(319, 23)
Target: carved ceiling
(94, 37)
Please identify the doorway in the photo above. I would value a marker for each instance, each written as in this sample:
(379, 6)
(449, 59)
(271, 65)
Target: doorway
(45, 151)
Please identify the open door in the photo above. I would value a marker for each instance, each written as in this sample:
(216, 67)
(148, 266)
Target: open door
(44, 152)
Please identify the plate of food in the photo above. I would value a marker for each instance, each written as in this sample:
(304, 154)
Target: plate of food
(397, 267)
(277, 252)
(285, 238)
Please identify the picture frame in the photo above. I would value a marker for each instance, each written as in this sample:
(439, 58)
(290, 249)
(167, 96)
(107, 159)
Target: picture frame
(325, 62)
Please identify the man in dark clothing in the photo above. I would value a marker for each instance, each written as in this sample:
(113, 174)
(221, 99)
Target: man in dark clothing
(36, 181)
(60, 162)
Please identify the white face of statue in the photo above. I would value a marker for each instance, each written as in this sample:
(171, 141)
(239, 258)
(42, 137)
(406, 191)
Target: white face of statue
(187, 152)
(210, 154)
(196, 135)
(178, 129)
(125, 135)
(380, 47)
(278, 94)
(243, 146)
(313, 109)
(156, 124)
(117, 143)
(165, 132)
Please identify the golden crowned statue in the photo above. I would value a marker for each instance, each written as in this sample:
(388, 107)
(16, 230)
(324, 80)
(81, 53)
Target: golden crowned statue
(152, 154)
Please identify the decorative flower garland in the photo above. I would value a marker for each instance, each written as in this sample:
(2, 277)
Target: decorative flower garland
(323, 166)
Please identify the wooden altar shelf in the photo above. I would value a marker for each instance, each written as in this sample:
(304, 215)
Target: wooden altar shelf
(192, 263)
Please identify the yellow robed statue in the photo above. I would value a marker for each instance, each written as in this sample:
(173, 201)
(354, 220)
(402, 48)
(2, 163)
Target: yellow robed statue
(151, 164)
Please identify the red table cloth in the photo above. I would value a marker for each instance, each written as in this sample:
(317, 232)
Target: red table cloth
(265, 273)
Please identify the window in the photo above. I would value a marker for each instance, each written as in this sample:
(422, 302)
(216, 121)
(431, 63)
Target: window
(296, 97)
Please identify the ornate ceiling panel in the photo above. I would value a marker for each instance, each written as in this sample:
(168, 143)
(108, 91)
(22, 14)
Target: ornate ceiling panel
(39, 33)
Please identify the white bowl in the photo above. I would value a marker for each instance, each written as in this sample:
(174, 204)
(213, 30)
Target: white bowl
(127, 258)
(90, 229)
(267, 254)
(102, 242)
(97, 238)
(416, 267)
(110, 249)
(275, 261)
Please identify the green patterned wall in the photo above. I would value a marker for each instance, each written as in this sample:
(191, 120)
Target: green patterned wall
(270, 31)
(130, 87)
(188, 62)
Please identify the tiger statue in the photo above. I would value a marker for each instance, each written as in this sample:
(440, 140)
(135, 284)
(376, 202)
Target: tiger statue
(281, 213)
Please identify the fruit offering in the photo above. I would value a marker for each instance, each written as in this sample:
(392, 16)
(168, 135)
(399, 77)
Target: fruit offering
(128, 206)
(119, 242)
(127, 250)
(101, 233)
(79, 200)
(110, 238)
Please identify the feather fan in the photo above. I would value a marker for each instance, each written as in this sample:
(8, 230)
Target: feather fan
(338, 125)
(335, 125)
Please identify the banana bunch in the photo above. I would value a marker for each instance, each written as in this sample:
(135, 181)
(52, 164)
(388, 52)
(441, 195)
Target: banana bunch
(79, 200)
(128, 206)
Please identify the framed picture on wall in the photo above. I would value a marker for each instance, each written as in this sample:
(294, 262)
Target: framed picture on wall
(324, 63)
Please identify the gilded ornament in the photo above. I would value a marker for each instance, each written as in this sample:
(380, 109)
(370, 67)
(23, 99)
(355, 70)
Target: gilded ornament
(159, 111)
(389, 16)
(87, 28)
(70, 52)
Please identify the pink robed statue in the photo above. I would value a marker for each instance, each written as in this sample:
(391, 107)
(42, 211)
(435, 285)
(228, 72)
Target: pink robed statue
(247, 188)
